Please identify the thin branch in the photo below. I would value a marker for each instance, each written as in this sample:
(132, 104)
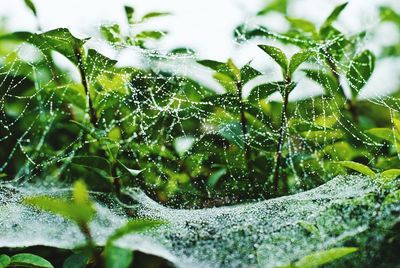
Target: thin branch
(282, 138)
(243, 123)
(349, 103)
(92, 112)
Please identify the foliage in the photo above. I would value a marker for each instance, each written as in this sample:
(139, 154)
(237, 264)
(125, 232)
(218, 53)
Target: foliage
(24, 260)
(182, 142)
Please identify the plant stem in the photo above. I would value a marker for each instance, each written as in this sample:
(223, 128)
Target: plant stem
(116, 180)
(282, 137)
(91, 244)
(350, 104)
(243, 123)
(92, 112)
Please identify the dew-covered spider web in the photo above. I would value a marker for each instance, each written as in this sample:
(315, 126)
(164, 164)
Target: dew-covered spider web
(158, 122)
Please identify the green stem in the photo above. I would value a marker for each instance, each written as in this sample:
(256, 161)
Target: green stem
(350, 105)
(116, 181)
(282, 137)
(243, 123)
(91, 244)
(92, 112)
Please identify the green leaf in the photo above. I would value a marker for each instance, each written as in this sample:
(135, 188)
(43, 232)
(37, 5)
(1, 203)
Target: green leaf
(326, 80)
(96, 163)
(360, 70)
(233, 69)
(248, 73)
(263, 91)
(226, 100)
(232, 131)
(111, 33)
(311, 228)
(4, 260)
(303, 25)
(80, 210)
(358, 167)
(96, 64)
(319, 258)
(133, 172)
(390, 174)
(151, 15)
(133, 226)
(322, 135)
(116, 257)
(31, 6)
(214, 178)
(80, 193)
(226, 81)
(277, 55)
(217, 66)
(29, 260)
(75, 261)
(333, 16)
(276, 5)
(62, 41)
(388, 14)
(150, 35)
(129, 11)
(284, 38)
(298, 58)
(382, 133)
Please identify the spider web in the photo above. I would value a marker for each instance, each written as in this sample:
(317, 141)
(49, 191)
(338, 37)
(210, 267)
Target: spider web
(160, 105)
(152, 113)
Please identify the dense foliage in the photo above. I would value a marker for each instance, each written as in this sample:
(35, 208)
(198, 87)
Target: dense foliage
(184, 144)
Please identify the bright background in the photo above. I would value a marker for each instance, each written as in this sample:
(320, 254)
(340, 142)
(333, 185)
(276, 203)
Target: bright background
(207, 25)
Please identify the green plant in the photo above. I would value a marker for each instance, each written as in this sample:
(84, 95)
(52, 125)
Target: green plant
(81, 211)
(24, 260)
(187, 145)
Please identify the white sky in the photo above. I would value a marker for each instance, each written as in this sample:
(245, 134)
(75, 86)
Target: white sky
(207, 25)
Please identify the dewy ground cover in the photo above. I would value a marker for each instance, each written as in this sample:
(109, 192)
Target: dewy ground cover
(276, 232)
(284, 164)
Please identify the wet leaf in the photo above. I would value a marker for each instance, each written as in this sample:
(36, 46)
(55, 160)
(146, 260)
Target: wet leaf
(75, 261)
(151, 15)
(96, 64)
(80, 210)
(360, 70)
(129, 11)
(319, 258)
(248, 73)
(215, 177)
(303, 25)
(333, 16)
(29, 260)
(263, 91)
(277, 55)
(62, 41)
(150, 35)
(358, 167)
(31, 6)
(133, 226)
(132, 172)
(116, 257)
(4, 260)
(298, 58)
(390, 174)
(217, 66)
(326, 80)
(111, 33)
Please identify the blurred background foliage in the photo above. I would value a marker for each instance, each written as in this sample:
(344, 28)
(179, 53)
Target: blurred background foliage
(186, 144)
